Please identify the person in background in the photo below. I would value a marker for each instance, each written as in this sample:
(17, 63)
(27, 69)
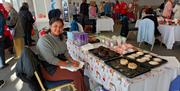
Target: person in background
(54, 13)
(150, 15)
(2, 56)
(14, 23)
(27, 23)
(74, 24)
(142, 11)
(74, 9)
(26, 5)
(53, 52)
(130, 13)
(107, 8)
(168, 9)
(124, 8)
(101, 9)
(117, 9)
(124, 19)
(135, 7)
(84, 12)
(161, 7)
(2, 42)
(7, 34)
(92, 10)
(92, 15)
(176, 11)
(78, 8)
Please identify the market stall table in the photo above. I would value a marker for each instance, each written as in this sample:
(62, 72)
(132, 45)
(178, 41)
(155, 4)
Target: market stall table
(158, 79)
(104, 24)
(170, 34)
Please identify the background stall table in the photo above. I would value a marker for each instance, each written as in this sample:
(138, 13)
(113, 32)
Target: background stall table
(104, 24)
(170, 34)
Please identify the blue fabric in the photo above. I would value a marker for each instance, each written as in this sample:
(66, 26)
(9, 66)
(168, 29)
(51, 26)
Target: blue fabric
(107, 8)
(146, 31)
(175, 84)
(2, 56)
(74, 26)
(52, 84)
(1, 24)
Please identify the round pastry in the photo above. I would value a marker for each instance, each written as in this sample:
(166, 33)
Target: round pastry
(131, 57)
(134, 55)
(132, 66)
(123, 61)
(153, 63)
(145, 58)
(141, 60)
(139, 53)
(147, 55)
(157, 59)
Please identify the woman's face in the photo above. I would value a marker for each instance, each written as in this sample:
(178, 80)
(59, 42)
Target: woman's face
(57, 28)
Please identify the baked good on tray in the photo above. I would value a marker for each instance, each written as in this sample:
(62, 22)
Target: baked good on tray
(153, 63)
(145, 58)
(123, 61)
(157, 59)
(132, 65)
(131, 57)
(141, 60)
(147, 55)
(139, 53)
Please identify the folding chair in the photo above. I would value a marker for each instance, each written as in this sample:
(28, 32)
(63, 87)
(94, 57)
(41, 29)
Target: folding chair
(146, 32)
(80, 27)
(48, 85)
(53, 85)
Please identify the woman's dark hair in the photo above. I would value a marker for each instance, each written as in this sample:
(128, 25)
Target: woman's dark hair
(149, 11)
(54, 13)
(23, 8)
(56, 19)
(25, 4)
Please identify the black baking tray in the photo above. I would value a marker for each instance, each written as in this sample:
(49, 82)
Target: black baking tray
(146, 64)
(107, 53)
(130, 73)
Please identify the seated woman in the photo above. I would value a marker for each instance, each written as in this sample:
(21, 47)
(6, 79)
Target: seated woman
(152, 16)
(50, 47)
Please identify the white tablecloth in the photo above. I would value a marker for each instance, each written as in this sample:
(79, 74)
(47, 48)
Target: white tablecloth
(104, 24)
(170, 34)
(156, 80)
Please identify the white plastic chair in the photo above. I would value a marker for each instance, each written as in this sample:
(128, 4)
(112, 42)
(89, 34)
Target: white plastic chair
(146, 32)
(80, 27)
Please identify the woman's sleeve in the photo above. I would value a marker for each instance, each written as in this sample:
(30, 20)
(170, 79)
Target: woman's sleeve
(46, 51)
(66, 50)
(12, 20)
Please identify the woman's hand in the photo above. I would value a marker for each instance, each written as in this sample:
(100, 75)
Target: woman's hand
(75, 63)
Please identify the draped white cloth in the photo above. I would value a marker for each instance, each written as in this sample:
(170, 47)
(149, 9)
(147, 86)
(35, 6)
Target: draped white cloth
(104, 24)
(170, 34)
